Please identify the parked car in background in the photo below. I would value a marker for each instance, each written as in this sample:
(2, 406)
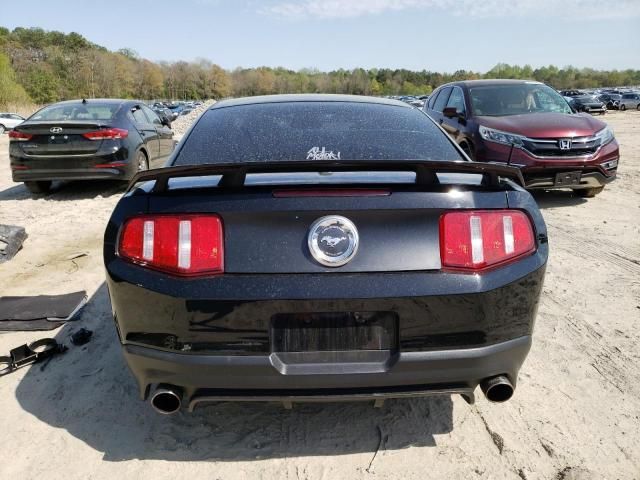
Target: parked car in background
(588, 104)
(628, 100)
(345, 250)
(528, 124)
(571, 93)
(164, 112)
(9, 121)
(87, 140)
(611, 100)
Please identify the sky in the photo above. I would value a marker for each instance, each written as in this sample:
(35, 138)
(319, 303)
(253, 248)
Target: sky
(436, 35)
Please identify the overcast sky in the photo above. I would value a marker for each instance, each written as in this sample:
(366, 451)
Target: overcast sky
(440, 35)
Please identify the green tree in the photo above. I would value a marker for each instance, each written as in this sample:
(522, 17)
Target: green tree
(11, 92)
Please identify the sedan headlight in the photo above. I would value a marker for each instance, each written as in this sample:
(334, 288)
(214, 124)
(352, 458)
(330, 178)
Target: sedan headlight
(501, 137)
(605, 135)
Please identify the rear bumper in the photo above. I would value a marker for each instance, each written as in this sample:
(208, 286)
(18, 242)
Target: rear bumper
(452, 333)
(120, 173)
(99, 165)
(268, 378)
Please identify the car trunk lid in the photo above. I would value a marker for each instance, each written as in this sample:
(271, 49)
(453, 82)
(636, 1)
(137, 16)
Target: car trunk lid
(60, 138)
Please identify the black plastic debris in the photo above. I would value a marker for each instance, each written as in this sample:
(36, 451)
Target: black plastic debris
(81, 337)
(11, 240)
(42, 312)
(29, 354)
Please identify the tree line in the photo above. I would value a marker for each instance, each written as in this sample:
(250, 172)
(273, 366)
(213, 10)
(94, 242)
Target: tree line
(46, 66)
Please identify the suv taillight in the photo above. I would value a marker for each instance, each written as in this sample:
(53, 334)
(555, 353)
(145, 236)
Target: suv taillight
(19, 136)
(177, 244)
(478, 239)
(107, 134)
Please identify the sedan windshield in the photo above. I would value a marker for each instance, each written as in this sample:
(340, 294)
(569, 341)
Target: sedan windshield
(516, 99)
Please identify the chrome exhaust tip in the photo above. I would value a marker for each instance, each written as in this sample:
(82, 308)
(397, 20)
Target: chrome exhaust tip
(497, 389)
(167, 399)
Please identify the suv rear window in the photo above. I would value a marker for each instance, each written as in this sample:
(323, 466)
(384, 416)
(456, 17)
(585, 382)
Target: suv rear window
(266, 132)
(77, 111)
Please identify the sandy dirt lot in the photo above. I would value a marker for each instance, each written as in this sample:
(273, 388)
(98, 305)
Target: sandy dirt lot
(575, 414)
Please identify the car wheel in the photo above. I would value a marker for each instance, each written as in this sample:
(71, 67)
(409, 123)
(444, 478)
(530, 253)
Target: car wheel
(38, 187)
(2, 129)
(623, 107)
(589, 192)
(638, 107)
(467, 149)
(141, 161)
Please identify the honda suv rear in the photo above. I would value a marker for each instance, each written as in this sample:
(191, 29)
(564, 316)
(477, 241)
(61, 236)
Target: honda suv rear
(528, 125)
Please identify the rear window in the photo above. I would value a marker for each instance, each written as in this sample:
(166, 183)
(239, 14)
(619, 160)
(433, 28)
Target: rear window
(314, 131)
(77, 111)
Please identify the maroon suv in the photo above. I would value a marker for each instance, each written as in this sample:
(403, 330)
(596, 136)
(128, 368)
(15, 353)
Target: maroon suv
(529, 125)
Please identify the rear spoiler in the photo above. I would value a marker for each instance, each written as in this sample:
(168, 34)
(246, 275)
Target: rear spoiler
(234, 174)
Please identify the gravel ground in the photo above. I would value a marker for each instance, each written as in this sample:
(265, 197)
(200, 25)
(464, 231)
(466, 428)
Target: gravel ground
(575, 414)
(181, 124)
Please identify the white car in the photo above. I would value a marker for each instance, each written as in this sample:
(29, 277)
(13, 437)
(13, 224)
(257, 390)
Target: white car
(9, 121)
(630, 100)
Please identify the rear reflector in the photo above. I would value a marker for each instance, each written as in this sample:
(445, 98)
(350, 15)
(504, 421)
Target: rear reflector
(19, 136)
(110, 165)
(177, 244)
(474, 240)
(107, 134)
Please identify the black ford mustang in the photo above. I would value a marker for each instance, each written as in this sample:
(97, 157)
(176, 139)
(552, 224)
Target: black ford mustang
(88, 140)
(320, 247)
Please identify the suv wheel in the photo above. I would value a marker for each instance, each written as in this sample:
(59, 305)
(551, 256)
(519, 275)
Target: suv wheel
(38, 187)
(466, 148)
(2, 129)
(589, 192)
(623, 107)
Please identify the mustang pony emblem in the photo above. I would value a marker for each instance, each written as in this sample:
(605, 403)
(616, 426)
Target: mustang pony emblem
(316, 154)
(332, 241)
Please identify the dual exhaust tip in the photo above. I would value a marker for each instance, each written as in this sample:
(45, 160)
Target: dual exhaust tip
(167, 399)
(497, 389)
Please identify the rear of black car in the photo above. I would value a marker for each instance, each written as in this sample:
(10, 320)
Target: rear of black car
(76, 140)
(323, 248)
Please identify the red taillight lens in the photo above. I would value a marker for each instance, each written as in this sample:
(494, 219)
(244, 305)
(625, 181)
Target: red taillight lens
(107, 134)
(178, 244)
(474, 240)
(19, 136)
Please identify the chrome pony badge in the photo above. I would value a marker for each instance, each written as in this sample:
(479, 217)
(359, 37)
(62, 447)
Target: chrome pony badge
(316, 154)
(333, 240)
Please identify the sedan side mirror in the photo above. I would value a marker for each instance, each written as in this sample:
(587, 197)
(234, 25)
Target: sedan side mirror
(165, 121)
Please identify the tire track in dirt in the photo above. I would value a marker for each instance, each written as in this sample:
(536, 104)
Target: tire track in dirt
(607, 359)
(600, 249)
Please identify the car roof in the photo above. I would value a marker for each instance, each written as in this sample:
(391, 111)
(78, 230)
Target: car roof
(310, 97)
(493, 82)
(90, 101)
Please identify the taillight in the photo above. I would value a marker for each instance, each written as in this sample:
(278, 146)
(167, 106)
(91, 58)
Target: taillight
(177, 244)
(107, 134)
(19, 136)
(478, 239)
